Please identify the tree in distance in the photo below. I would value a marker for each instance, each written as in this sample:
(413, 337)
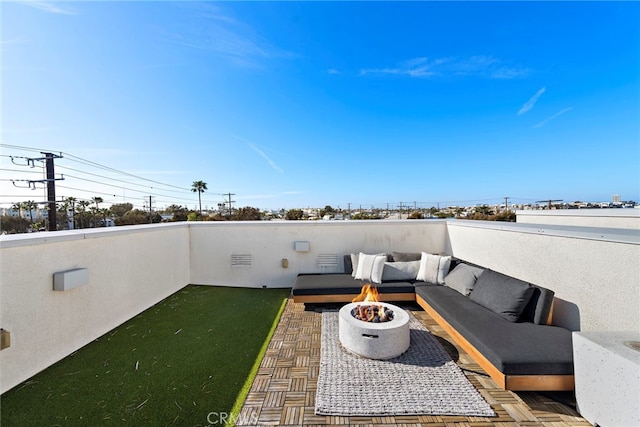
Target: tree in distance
(199, 187)
(294, 214)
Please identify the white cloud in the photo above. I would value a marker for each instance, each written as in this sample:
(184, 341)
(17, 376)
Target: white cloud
(255, 148)
(271, 162)
(333, 71)
(416, 67)
(28, 130)
(476, 66)
(12, 42)
(160, 172)
(530, 103)
(556, 115)
(48, 7)
(219, 33)
(269, 196)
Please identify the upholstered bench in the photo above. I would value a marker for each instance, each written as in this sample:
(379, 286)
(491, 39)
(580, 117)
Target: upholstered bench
(515, 345)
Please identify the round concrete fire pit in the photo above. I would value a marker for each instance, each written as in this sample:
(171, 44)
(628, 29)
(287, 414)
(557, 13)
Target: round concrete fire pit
(384, 340)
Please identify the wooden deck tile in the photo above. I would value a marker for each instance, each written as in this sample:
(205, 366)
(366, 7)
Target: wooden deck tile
(283, 392)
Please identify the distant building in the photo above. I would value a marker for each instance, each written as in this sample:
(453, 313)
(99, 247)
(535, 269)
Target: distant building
(616, 198)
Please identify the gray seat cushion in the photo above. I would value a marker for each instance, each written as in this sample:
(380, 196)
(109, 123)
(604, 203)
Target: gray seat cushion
(514, 348)
(341, 284)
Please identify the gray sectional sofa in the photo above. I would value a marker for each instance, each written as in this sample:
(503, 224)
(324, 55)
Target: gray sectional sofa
(502, 322)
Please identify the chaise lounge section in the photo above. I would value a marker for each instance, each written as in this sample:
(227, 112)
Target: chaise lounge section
(500, 321)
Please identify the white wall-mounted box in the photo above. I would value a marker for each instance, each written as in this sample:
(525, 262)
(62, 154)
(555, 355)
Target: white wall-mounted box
(69, 279)
(301, 246)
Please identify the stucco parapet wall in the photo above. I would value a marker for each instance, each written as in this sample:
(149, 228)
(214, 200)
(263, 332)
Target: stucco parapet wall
(598, 213)
(317, 223)
(618, 235)
(32, 239)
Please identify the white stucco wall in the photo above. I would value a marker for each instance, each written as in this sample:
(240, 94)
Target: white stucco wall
(608, 218)
(595, 275)
(595, 272)
(130, 269)
(212, 245)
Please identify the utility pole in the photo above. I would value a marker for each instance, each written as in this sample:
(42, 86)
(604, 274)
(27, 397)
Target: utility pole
(506, 203)
(230, 202)
(400, 209)
(150, 213)
(51, 191)
(50, 181)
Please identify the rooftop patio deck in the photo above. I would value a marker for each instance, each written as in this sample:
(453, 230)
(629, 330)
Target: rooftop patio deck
(284, 390)
(593, 270)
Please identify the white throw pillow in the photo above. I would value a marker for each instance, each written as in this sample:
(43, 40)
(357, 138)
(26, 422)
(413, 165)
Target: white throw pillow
(370, 267)
(443, 268)
(428, 268)
(433, 268)
(354, 264)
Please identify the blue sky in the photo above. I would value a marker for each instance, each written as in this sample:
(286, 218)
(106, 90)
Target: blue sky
(289, 105)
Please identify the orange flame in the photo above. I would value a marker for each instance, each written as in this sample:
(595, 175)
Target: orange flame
(367, 294)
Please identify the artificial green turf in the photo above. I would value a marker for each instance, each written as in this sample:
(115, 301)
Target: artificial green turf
(184, 361)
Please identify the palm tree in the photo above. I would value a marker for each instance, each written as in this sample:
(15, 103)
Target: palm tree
(72, 202)
(97, 200)
(18, 206)
(104, 212)
(62, 214)
(200, 187)
(82, 207)
(30, 205)
(94, 210)
(94, 214)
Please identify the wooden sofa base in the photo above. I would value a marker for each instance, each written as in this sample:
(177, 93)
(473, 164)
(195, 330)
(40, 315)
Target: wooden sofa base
(319, 299)
(506, 382)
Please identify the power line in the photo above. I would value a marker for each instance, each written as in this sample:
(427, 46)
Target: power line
(19, 147)
(81, 160)
(125, 188)
(108, 181)
(89, 162)
(113, 179)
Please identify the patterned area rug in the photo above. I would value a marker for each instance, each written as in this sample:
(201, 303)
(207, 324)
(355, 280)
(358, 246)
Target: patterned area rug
(422, 381)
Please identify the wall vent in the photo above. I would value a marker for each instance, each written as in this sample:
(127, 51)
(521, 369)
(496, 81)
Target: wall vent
(327, 260)
(241, 260)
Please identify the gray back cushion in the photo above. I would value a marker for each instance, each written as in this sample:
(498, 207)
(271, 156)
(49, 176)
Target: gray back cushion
(539, 307)
(463, 278)
(502, 294)
(348, 266)
(406, 256)
(395, 271)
